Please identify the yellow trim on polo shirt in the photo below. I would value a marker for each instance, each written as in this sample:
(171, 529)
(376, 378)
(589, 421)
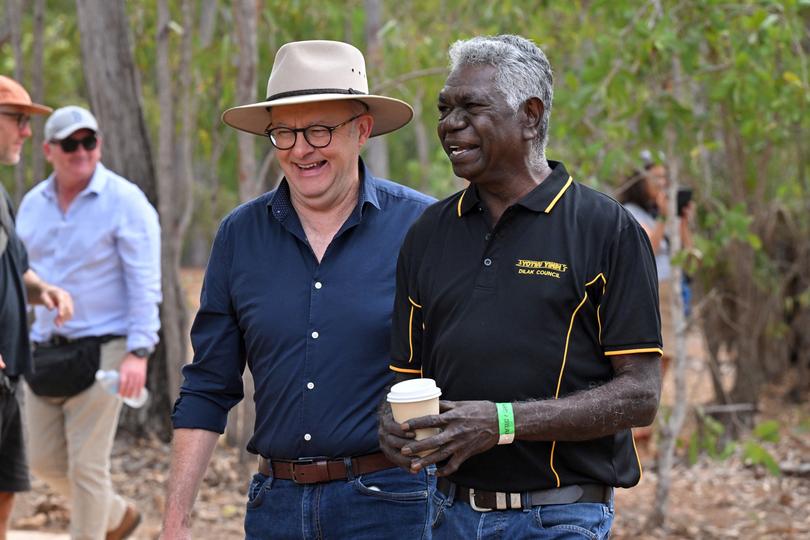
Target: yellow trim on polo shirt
(599, 275)
(551, 462)
(414, 305)
(658, 350)
(599, 323)
(410, 336)
(638, 459)
(459, 202)
(599, 307)
(562, 370)
(403, 370)
(567, 341)
(560, 194)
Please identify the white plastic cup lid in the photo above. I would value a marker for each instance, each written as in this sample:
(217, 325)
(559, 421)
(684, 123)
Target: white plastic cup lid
(414, 390)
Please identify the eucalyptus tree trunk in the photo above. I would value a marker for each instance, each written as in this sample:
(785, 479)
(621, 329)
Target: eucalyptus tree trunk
(115, 96)
(38, 90)
(245, 16)
(174, 180)
(671, 427)
(376, 152)
(422, 141)
(242, 418)
(14, 22)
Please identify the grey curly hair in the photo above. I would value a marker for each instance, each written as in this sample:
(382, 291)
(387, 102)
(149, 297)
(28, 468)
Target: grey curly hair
(523, 72)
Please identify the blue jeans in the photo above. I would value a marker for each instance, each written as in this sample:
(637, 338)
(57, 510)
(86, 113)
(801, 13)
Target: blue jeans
(456, 519)
(391, 503)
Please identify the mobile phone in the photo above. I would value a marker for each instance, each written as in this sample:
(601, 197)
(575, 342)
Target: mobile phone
(684, 196)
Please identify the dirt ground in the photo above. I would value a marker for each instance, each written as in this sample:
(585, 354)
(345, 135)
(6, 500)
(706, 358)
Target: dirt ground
(712, 499)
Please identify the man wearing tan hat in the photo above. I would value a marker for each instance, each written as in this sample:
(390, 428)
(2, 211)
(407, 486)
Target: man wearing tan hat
(16, 279)
(300, 287)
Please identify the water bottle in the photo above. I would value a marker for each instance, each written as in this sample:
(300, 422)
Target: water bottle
(108, 379)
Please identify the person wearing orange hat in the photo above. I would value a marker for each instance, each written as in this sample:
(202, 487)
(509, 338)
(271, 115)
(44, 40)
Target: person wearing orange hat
(17, 282)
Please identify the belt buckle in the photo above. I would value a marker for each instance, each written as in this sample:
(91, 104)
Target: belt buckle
(503, 501)
(295, 464)
(473, 505)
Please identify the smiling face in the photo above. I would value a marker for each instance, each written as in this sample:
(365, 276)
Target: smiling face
(12, 136)
(320, 178)
(485, 139)
(77, 167)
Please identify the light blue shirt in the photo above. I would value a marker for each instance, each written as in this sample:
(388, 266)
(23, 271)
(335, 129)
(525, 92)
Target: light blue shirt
(105, 251)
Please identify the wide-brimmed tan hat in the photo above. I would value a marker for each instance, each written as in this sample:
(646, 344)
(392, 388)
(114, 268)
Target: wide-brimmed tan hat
(316, 71)
(12, 94)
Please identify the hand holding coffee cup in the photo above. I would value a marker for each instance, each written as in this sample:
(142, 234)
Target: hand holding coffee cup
(414, 398)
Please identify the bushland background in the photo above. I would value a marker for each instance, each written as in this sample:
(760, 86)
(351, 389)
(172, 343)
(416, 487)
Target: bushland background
(717, 90)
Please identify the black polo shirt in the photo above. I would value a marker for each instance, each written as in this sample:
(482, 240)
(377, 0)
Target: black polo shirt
(14, 346)
(530, 309)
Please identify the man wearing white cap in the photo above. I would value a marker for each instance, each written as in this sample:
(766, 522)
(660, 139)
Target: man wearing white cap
(95, 234)
(16, 279)
(300, 287)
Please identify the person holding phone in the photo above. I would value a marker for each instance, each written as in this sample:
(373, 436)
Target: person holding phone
(645, 197)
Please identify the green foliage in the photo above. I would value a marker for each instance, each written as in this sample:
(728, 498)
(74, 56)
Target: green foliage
(711, 439)
(728, 82)
(756, 454)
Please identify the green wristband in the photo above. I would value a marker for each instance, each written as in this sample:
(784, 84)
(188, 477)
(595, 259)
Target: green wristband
(506, 423)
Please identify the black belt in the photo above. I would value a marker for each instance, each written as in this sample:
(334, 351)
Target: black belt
(484, 501)
(61, 341)
(314, 471)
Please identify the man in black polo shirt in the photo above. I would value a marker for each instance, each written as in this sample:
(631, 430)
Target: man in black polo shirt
(532, 300)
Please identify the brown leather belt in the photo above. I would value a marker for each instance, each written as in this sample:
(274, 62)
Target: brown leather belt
(484, 501)
(311, 471)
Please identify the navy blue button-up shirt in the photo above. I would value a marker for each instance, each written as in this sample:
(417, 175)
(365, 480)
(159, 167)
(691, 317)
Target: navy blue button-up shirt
(315, 336)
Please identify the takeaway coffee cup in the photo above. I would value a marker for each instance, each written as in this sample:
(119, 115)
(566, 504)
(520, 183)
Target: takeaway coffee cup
(414, 398)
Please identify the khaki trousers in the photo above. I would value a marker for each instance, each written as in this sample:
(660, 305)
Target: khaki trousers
(69, 443)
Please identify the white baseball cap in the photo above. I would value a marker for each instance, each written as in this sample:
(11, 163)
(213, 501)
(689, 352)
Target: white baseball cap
(68, 120)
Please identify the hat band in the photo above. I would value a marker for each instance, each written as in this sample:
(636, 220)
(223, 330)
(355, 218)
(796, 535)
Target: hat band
(293, 93)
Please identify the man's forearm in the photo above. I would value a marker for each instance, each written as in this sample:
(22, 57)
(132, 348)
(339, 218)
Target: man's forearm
(33, 286)
(191, 452)
(630, 399)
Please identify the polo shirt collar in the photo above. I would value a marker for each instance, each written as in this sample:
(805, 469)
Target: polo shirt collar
(280, 202)
(543, 198)
(96, 185)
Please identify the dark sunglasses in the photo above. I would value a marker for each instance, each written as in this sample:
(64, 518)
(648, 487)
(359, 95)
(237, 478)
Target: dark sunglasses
(71, 145)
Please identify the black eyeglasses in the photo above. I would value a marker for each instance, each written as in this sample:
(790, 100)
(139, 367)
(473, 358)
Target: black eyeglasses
(22, 119)
(71, 145)
(317, 136)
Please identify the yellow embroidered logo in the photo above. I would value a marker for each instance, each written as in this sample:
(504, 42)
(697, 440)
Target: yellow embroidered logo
(540, 268)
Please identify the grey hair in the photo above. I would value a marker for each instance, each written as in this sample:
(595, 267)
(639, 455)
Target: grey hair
(523, 72)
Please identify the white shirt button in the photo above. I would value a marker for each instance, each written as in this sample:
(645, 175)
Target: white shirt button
(487, 262)
(318, 284)
(307, 437)
(310, 385)
(315, 335)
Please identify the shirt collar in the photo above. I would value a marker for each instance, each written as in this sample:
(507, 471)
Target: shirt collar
(96, 185)
(280, 202)
(543, 198)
